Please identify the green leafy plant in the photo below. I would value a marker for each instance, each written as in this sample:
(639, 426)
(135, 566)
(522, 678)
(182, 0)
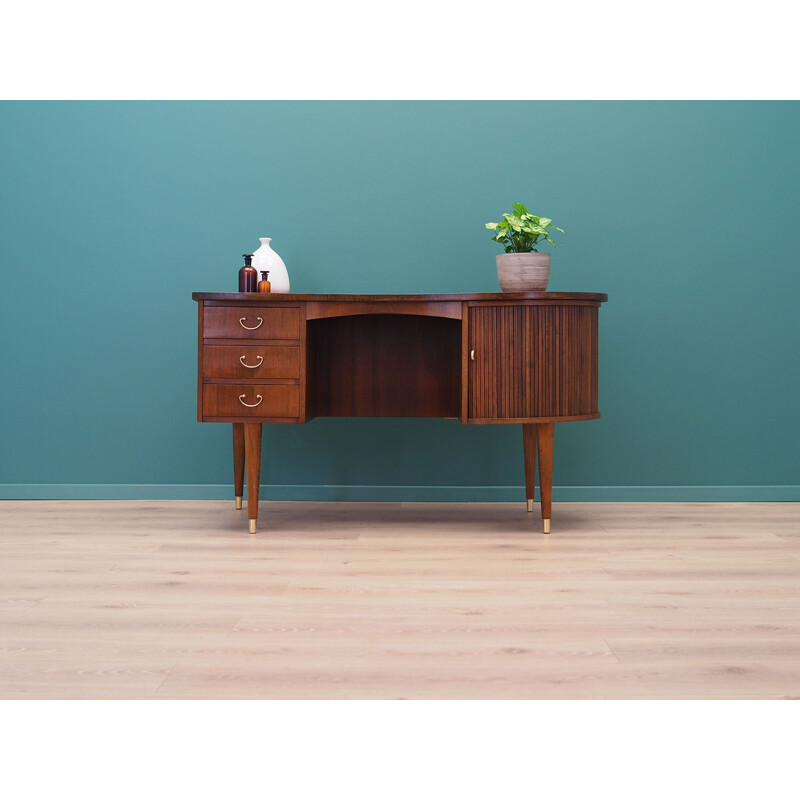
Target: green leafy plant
(520, 232)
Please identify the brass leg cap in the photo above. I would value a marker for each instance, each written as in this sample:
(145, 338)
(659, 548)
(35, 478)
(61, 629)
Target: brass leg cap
(546, 525)
(530, 504)
(252, 526)
(238, 503)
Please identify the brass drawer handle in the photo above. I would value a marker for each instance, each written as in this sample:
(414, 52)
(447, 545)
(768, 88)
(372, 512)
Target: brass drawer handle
(251, 366)
(471, 355)
(247, 328)
(250, 405)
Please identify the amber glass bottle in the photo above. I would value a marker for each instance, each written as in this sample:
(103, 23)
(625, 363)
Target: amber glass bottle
(264, 285)
(248, 276)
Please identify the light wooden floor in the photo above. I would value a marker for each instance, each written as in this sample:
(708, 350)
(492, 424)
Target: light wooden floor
(169, 599)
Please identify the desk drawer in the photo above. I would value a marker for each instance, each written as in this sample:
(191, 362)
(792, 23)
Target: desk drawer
(251, 361)
(250, 400)
(251, 322)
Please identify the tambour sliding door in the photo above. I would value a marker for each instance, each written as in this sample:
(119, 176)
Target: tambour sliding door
(532, 361)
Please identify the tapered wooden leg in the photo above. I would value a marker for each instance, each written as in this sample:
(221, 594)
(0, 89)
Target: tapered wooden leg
(529, 448)
(544, 436)
(252, 448)
(238, 462)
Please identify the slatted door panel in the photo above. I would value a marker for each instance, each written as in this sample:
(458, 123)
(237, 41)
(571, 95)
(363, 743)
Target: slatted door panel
(533, 361)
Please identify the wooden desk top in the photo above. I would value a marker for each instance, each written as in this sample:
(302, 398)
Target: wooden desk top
(396, 298)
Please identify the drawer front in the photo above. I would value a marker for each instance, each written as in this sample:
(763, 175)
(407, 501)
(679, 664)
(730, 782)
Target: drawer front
(250, 400)
(251, 361)
(251, 322)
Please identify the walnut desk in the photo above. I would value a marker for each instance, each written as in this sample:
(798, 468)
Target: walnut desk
(485, 359)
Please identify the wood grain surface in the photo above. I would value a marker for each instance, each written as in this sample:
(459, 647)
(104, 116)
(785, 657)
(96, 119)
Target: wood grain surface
(384, 366)
(226, 400)
(533, 362)
(233, 322)
(167, 599)
(251, 361)
(253, 298)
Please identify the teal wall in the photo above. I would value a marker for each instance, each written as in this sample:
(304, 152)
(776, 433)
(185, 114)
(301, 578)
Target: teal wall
(686, 214)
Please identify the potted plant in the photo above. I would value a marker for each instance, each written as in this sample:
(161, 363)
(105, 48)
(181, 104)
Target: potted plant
(522, 268)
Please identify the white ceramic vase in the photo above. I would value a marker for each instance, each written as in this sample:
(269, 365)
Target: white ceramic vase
(265, 258)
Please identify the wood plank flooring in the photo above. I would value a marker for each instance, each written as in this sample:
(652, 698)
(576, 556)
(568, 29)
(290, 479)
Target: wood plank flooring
(173, 599)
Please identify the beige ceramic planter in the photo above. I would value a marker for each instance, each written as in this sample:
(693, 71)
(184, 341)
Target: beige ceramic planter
(523, 272)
